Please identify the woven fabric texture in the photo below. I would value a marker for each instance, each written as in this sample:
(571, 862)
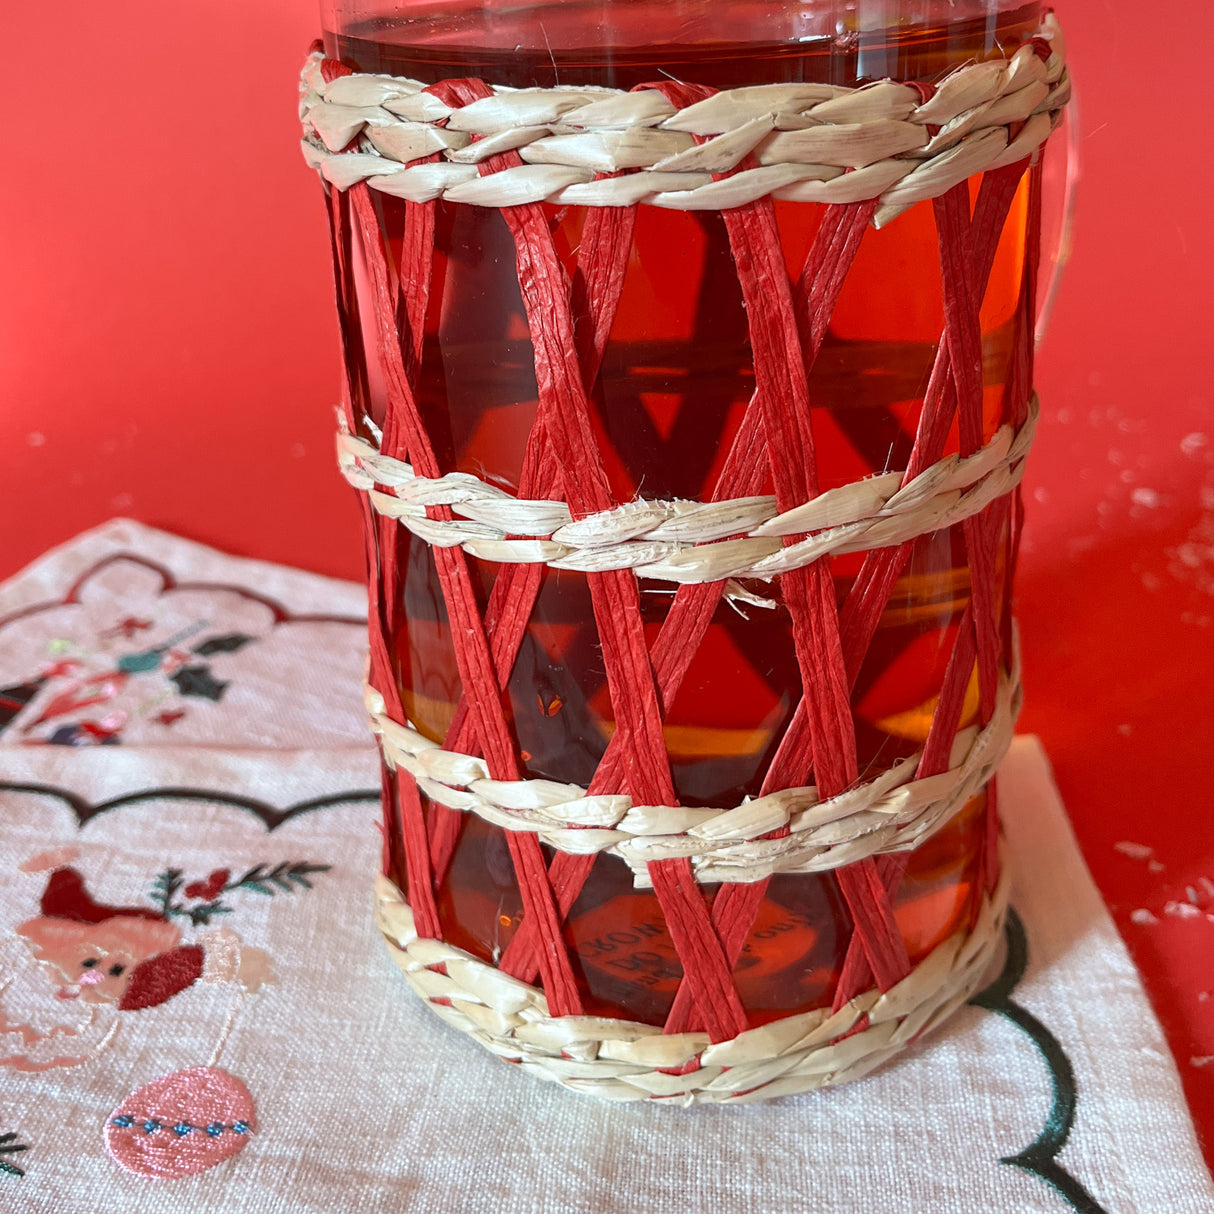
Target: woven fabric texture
(364, 1100)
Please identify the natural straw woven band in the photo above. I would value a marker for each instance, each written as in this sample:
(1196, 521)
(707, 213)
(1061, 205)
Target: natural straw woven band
(893, 812)
(624, 1060)
(684, 541)
(809, 142)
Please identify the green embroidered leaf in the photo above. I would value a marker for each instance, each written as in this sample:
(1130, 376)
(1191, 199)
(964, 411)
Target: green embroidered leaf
(197, 680)
(140, 663)
(9, 1146)
(200, 916)
(165, 889)
(285, 876)
(230, 642)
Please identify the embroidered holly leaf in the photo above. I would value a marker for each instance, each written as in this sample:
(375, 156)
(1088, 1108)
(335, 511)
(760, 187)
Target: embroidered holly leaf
(286, 877)
(200, 916)
(10, 1146)
(299, 873)
(141, 663)
(230, 642)
(164, 890)
(198, 681)
(168, 885)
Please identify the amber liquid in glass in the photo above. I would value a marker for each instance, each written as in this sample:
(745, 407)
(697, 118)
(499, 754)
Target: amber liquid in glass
(675, 380)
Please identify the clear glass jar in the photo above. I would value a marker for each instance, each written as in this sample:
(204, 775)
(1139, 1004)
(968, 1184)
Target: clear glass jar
(667, 401)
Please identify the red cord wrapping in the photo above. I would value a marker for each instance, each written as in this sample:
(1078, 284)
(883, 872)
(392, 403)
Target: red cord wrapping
(787, 326)
(883, 566)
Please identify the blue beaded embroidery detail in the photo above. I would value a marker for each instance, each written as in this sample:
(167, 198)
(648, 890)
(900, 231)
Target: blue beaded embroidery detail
(150, 1125)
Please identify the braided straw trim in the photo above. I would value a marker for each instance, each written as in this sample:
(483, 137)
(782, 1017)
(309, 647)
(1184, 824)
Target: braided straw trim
(893, 812)
(682, 541)
(624, 1060)
(803, 137)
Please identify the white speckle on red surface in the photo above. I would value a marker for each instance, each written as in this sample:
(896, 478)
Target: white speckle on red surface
(1145, 497)
(1191, 444)
(1143, 916)
(1201, 1059)
(1193, 560)
(1182, 910)
(1136, 851)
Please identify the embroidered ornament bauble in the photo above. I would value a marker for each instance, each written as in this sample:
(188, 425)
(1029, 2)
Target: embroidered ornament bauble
(181, 1124)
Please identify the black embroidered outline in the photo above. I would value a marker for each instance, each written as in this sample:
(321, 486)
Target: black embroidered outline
(9, 1145)
(1040, 1156)
(272, 817)
(280, 614)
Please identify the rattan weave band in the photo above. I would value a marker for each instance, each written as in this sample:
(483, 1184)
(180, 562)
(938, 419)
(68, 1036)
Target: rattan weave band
(624, 1060)
(808, 142)
(891, 813)
(685, 541)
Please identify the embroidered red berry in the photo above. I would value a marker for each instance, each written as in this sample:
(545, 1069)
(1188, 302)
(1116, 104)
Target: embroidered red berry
(208, 890)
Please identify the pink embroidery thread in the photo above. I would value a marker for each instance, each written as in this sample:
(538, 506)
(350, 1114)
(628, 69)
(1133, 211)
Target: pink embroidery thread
(181, 1124)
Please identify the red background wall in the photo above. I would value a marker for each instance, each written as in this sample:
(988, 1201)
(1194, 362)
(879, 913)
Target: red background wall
(168, 352)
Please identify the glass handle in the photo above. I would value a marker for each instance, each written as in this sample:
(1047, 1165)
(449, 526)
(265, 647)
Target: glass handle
(1061, 176)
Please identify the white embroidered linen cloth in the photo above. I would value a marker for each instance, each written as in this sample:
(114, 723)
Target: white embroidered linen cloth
(187, 789)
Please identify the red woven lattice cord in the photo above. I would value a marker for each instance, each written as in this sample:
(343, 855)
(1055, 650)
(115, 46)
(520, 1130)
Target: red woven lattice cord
(692, 611)
(562, 427)
(569, 323)
(381, 556)
(781, 364)
(977, 239)
(404, 437)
